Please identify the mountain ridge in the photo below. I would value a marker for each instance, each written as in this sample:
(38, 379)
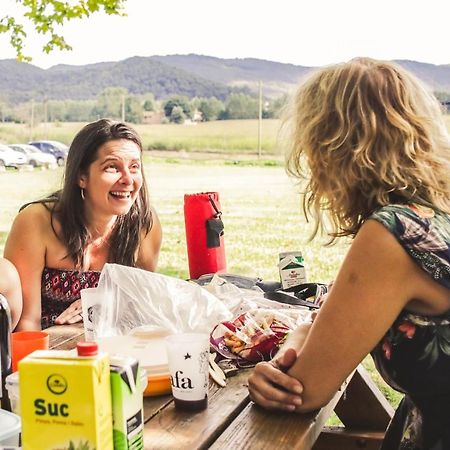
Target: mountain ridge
(191, 75)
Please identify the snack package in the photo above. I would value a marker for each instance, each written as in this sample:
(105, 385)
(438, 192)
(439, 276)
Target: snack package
(256, 335)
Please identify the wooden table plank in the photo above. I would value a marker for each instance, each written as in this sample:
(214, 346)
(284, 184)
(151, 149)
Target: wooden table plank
(256, 428)
(364, 406)
(153, 405)
(341, 438)
(59, 334)
(174, 429)
(232, 421)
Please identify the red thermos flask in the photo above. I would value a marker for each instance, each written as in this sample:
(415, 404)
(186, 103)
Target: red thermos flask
(204, 233)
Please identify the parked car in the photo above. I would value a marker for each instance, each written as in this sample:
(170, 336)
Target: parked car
(55, 148)
(34, 156)
(11, 158)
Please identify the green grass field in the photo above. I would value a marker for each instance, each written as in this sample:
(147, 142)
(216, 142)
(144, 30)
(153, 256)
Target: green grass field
(230, 136)
(233, 137)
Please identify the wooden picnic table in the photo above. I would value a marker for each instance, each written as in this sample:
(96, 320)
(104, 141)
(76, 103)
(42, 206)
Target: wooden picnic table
(233, 421)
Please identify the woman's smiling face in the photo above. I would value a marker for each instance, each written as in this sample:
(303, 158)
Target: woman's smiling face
(113, 180)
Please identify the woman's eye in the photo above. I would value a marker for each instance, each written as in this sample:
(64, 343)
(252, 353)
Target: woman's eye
(135, 167)
(111, 168)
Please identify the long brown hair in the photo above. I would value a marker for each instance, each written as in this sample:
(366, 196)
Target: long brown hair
(370, 135)
(67, 207)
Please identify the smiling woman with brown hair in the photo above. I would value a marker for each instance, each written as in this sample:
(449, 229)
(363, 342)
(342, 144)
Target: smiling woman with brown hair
(374, 148)
(60, 244)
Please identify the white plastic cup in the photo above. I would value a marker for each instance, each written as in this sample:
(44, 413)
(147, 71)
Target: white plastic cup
(188, 366)
(91, 300)
(12, 385)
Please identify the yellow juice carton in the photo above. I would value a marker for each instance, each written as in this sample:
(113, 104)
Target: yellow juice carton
(126, 394)
(65, 400)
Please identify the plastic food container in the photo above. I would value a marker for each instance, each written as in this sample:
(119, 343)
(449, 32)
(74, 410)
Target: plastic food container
(158, 385)
(12, 385)
(149, 348)
(9, 428)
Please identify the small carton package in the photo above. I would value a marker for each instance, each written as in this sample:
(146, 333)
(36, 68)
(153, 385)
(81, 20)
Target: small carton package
(292, 269)
(65, 399)
(126, 393)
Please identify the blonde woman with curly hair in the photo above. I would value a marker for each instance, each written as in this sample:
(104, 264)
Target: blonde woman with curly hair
(373, 146)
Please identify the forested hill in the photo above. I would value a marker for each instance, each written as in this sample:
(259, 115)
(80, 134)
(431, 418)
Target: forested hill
(279, 76)
(190, 75)
(20, 82)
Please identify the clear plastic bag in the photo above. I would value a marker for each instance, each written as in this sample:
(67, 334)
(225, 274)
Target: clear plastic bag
(135, 298)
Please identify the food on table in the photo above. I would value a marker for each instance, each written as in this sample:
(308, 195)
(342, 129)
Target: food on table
(253, 336)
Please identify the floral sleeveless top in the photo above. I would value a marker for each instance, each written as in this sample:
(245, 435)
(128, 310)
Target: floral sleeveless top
(60, 288)
(414, 355)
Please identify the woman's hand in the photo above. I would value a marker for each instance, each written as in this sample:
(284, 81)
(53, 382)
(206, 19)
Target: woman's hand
(271, 388)
(71, 315)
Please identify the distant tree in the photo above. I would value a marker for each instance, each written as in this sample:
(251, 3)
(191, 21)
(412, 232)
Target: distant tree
(210, 108)
(240, 106)
(177, 101)
(48, 15)
(109, 102)
(56, 110)
(148, 105)
(177, 115)
(133, 110)
(195, 102)
(275, 107)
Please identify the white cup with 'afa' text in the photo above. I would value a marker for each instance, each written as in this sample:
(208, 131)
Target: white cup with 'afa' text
(188, 365)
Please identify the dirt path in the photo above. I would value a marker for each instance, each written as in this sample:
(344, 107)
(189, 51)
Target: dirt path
(182, 154)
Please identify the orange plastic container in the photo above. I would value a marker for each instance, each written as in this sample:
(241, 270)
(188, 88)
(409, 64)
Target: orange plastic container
(158, 385)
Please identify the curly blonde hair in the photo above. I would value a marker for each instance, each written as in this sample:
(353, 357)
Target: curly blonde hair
(371, 135)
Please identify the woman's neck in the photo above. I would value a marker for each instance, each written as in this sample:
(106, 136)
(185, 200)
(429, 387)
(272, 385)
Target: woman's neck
(100, 228)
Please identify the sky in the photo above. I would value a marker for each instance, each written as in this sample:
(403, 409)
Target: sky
(307, 33)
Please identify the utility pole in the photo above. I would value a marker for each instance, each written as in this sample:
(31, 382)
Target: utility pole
(31, 119)
(123, 108)
(45, 110)
(46, 117)
(260, 120)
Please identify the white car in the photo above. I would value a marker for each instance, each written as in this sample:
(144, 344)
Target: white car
(34, 156)
(11, 158)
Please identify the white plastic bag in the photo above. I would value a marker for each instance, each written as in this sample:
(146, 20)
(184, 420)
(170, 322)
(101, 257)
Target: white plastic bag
(137, 298)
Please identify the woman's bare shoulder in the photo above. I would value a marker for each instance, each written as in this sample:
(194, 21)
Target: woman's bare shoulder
(35, 216)
(38, 211)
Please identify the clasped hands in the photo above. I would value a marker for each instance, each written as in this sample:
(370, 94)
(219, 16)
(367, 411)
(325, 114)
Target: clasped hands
(270, 387)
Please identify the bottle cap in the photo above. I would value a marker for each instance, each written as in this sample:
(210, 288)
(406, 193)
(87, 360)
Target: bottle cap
(87, 348)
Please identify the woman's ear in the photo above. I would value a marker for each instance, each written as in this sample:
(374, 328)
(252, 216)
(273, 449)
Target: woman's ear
(82, 180)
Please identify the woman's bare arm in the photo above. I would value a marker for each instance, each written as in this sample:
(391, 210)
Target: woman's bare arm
(377, 280)
(25, 248)
(10, 288)
(150, 246)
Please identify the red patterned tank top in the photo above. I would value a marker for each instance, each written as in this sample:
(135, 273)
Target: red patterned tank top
(60, 288)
